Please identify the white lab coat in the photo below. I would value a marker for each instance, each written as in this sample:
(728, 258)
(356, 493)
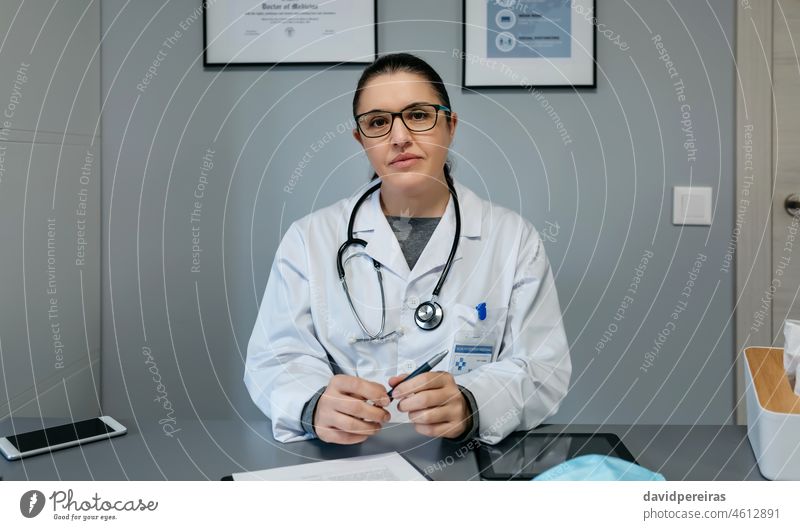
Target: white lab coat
(304, 315)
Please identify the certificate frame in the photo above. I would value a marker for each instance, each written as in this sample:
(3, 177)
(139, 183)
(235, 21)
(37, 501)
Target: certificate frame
(220, 51)
(485, 64)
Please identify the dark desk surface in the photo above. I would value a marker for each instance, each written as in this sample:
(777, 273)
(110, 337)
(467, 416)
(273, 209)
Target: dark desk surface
(211, 449)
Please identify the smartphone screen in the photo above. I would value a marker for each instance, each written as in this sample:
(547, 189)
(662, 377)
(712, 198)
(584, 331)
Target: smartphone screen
(51, 436)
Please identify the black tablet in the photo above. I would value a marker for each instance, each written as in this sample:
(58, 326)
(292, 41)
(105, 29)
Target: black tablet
(522, 456)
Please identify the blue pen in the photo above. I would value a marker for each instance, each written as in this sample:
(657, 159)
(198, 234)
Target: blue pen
(426, 367)
(480, 326)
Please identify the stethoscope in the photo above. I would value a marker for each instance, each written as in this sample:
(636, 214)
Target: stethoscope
(428, 315)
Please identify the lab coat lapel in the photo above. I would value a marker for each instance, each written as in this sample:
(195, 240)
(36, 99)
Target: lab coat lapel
(434, 256)
(382, 246)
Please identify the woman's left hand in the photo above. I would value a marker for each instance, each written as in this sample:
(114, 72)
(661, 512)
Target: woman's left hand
(434, 404)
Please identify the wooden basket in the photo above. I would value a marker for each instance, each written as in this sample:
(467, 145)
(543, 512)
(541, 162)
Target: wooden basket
(773, 414)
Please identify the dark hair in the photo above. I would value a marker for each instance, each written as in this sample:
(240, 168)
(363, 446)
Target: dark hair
(405, 62)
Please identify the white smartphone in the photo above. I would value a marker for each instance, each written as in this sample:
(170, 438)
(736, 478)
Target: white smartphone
(60, 437)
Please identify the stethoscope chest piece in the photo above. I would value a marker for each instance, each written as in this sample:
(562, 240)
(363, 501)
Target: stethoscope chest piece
(428, 315)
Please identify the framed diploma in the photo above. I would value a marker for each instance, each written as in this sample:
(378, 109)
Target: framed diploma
(245, 32)
(528, 43)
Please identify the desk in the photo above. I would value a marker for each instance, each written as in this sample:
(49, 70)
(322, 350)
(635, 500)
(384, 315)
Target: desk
(214, 448)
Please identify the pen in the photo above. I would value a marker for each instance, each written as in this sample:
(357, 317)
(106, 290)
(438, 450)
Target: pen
(426, 367)
(480, 326)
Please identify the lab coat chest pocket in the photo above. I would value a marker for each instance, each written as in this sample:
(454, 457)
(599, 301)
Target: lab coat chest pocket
(475, 342)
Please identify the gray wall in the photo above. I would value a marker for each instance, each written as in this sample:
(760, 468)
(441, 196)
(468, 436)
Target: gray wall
(164, 323)
(50, 208)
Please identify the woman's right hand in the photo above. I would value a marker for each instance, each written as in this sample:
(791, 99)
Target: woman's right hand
(343, 415)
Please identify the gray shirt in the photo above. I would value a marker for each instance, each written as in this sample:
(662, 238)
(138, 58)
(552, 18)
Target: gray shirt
(413, 234)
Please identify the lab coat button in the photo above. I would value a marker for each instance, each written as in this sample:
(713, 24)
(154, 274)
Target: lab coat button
(408, 366)
(412, 302)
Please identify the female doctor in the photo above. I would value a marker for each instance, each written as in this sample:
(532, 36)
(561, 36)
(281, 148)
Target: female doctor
(428, 266)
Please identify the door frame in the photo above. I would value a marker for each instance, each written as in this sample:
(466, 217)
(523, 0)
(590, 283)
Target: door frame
(754, 182)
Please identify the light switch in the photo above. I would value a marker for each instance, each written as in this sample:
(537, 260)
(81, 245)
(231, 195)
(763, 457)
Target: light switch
(691, 205)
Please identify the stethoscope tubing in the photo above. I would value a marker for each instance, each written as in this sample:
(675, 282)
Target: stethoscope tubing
(351, 240)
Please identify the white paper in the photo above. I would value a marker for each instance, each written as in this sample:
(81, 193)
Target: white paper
(791, 353)
(244, 31)
(385, 466)
(397, 415)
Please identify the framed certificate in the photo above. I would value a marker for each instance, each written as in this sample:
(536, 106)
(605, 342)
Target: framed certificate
(245, 32)
(527, 43)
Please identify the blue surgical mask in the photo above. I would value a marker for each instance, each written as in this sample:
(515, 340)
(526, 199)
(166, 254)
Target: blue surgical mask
(598, 467)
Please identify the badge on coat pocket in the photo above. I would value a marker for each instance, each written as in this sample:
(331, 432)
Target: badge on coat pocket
(471, 352)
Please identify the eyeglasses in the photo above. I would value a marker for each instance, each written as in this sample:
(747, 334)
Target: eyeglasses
(417, 118)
